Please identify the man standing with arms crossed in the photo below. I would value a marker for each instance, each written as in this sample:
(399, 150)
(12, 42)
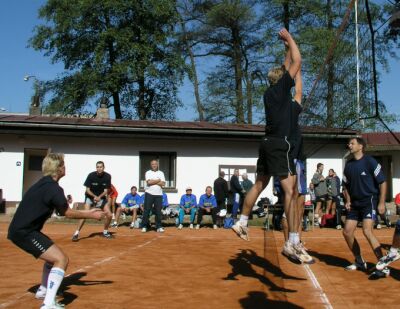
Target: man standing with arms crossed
(364, 182)
(97, 185)
(155, 181)
(275, 158)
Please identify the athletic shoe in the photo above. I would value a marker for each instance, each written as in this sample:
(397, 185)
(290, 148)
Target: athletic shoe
(197, 226)
(215, 227)
(132, 226)
(115, 225)
(357, 266)
(144, 230)
(160, 230)
(180, 226)
(55, 305)
(302, 255)
(41, 293)
(241, 231)
(191, 226)
(387, 259)
(379, 274)
(107, 235)
(338, 227)
(378, 226)
(75, 237)
(288, 250)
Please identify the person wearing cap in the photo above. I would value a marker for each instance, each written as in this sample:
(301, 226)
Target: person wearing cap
(188, 205)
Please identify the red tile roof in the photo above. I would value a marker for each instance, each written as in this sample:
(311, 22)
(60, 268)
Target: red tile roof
(385, 138)
(9, 120)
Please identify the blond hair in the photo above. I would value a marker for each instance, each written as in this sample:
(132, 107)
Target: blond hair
(275, 74)
(52, 163)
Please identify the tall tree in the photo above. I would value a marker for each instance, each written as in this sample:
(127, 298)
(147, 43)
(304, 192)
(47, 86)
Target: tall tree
(117, 49)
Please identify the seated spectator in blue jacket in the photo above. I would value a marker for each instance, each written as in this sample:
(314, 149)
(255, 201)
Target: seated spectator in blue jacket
(207, 206)
(187, 205)
(129, 205)
(165, 203)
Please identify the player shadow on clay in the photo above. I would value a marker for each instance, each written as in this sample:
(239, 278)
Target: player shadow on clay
(259, 300)
(96, 234)
(73, 279)
(242, 264)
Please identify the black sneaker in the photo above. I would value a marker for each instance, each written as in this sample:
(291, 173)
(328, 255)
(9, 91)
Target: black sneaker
(108, 235)
(75, 237)
(379, 274)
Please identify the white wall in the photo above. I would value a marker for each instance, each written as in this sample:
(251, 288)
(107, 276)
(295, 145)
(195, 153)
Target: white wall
(331, 156)
(396, 173)
(197, 161)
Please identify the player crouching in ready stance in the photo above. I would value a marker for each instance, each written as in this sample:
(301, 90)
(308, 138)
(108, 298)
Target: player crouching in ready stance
(36, 207)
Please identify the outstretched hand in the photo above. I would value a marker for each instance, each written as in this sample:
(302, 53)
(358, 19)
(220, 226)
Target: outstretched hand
(97, 213)
(285, 35)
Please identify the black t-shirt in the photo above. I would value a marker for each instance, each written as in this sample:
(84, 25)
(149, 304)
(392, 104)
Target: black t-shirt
(277, 102)
(37, 206)
(97, 183)
(295, 136)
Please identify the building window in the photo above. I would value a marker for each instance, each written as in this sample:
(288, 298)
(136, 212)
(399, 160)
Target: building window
(167, 164)
(250, 170)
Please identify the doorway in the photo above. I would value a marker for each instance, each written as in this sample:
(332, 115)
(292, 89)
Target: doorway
(33, 159)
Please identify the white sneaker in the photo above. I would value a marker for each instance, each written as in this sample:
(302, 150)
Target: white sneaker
(302, 255)
(191, 226)
(241, 231)
(215, 227)
(387, 260)
(357, 266)
(160, 230)
(338, 227)
(378, 226)
(180, 226)
(288, 250)
(132, 225)
(197, 226)
(55, 305)
(144, 230)
(41, 292)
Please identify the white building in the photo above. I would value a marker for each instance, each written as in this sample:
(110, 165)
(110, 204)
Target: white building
(190, 153)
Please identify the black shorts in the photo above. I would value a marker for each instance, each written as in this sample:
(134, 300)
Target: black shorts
(321, 198)
(365, 211)
(275, 158)
(35, 243)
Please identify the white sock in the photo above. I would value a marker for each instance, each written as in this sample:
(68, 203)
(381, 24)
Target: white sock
(393, 251)
(294, 238)
(105, 232)
(45, 274)
(55, 278)
(244, 220)
(76, 232)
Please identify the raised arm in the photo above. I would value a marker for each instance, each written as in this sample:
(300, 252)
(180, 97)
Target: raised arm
(298, 94)
(288, 58)
(294, 52)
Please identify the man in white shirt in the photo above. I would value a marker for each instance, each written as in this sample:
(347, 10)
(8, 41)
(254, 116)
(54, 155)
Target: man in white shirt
(155, 181)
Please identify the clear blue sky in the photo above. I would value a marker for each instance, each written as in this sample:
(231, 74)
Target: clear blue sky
(19, 17)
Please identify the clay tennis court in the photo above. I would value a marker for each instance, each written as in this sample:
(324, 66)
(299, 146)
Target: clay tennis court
(196, 269)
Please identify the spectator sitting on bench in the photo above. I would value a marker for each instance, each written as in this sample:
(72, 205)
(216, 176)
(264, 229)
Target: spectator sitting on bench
(187, 206)
(129, 206)
(207, 206)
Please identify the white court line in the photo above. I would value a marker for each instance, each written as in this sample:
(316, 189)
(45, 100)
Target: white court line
(95, 264)
(317, 286)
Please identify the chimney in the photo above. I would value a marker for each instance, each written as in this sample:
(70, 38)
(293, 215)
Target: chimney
(34, 108)
(102, 112)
